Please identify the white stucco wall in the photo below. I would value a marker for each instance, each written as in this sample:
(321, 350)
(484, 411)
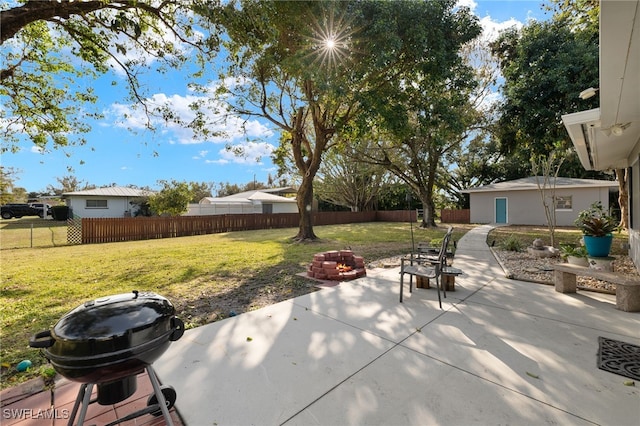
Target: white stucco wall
(525, 207)
(202, 209)
(116, 207)
(285, 207)
(238, 208)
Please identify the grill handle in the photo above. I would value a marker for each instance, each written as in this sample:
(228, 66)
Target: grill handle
(178, 329)
(42, 340)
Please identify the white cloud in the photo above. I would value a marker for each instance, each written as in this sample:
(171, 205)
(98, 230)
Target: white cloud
(200, 155)
(223, 128)
(471, 4)
(244, 153)
(491, 29)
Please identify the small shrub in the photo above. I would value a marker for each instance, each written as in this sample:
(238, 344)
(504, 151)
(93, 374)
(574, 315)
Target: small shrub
(436, 242)
(512, 243)
(567, 250)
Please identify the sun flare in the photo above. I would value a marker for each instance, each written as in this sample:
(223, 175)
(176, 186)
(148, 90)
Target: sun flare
(331, 39)
(330, 43)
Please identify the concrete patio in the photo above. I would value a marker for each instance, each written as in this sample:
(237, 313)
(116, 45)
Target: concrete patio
(501, 352)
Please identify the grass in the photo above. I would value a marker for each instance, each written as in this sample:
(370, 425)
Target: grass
(205, 277)
(32, 232)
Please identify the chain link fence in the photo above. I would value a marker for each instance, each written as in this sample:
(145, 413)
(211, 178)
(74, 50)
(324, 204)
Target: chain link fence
(32, 233)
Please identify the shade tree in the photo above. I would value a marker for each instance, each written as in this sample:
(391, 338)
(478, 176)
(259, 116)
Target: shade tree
(47, 47)
(318, 69)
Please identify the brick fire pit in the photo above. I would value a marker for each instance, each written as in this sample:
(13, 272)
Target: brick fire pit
(336, 265)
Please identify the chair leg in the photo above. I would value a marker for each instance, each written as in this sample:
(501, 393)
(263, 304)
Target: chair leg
(444, 289)
(438, 287)
(401, 285)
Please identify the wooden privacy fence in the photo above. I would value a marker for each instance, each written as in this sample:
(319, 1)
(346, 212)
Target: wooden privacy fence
(108, 230)
(455, 216)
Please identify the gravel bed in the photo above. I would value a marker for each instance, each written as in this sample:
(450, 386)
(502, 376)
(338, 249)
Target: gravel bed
(528, 267)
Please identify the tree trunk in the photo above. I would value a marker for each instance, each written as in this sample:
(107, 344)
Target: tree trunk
(307, 157)
(429, 211)
(426, 190)
(304, 200)
(623, 197)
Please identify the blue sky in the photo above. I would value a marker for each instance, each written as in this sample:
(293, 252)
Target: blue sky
(116, 155)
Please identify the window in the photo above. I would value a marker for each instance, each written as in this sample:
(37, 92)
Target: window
(96, 204)
(563, 202)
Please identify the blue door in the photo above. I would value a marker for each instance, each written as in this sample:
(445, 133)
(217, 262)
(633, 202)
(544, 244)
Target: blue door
(501, 210)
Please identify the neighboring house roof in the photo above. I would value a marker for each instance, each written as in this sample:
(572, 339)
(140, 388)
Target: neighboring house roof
(249, 196)
(111, 191)
(283, 190)
(529, 183)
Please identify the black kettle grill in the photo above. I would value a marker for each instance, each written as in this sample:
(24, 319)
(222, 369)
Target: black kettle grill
(107, 342)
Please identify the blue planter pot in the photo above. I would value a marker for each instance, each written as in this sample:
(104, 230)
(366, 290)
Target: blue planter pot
(598, 246)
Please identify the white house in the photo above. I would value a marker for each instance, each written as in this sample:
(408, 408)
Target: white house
(112, 201)
(519, 202)
(609, 137)
(248, 202)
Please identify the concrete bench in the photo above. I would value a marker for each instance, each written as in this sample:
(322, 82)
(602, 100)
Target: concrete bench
(627, 290)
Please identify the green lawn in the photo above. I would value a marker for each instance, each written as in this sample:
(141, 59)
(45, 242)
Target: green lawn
(204, 276)
(30, 232)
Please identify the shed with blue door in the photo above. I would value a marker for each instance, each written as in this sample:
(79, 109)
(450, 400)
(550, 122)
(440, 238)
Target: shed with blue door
(519, 202)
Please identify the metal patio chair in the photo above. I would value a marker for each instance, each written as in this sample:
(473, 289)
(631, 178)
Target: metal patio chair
(426, 267)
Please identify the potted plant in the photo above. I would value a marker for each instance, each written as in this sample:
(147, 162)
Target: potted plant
(597, 226)
(575, 255)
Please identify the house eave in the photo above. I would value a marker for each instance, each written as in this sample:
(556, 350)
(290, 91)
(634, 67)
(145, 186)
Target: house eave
(606, 138)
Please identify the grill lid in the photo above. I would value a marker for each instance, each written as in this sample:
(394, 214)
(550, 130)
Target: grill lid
(115, 316)
(111, 337)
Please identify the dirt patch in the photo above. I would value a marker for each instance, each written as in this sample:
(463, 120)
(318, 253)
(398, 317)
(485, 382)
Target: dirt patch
(236, 296)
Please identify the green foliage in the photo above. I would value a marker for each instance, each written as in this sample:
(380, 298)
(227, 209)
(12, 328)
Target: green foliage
(7, 179)
(47, 372)
(348, 182)
(545, 66)
(565, 236)
(425, 111)
(398, 196)
(377, 71)
(567, 250)
(512, 243)
(200, 190)
(68, 183)
(595, 221)
(47, 50)
(173, 199)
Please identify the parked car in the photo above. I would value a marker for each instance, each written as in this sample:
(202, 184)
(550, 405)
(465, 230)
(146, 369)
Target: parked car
(40, 207)
(18, 210)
